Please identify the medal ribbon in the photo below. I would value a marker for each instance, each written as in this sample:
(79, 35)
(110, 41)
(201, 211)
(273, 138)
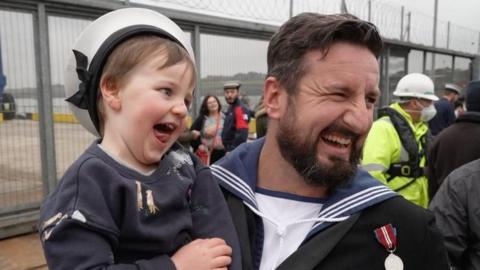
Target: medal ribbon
(387, 237)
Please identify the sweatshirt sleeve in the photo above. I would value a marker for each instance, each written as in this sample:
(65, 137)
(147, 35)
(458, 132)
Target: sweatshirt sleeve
(78, 228)
(73, 245)
(210, 214)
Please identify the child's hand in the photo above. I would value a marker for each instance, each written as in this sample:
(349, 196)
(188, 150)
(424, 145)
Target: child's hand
(203, 254)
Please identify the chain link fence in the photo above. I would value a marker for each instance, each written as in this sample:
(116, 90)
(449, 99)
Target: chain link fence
(394, 21)
(40, 138)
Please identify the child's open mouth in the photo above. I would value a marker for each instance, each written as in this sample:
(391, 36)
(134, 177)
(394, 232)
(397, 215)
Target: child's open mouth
(163, 131)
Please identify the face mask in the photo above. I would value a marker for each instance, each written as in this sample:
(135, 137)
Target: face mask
(428, 113)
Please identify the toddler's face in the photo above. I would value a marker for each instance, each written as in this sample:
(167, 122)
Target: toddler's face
(154, 105)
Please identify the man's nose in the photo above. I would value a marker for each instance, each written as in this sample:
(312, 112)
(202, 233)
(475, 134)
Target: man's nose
(359, 118)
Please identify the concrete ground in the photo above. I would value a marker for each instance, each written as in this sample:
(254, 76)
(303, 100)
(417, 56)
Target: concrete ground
(21, 184)
(23, 252)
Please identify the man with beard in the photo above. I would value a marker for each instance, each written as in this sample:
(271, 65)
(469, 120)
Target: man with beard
(237, 116)
(297, 197)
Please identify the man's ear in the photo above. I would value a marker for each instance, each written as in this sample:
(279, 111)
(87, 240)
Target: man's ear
(275, 98)
(110, 94)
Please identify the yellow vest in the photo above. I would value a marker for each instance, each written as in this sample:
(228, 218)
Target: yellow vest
(383, 148)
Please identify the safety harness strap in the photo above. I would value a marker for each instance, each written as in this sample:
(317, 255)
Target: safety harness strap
(410, 168)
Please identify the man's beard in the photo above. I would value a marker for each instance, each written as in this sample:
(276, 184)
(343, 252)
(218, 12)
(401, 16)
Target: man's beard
(231, 100)
(302, 155)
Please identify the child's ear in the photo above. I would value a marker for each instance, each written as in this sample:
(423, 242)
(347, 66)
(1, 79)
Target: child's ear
(110, 94)
(275, 98)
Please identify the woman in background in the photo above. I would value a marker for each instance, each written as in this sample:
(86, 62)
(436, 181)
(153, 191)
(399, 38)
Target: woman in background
(208, 128)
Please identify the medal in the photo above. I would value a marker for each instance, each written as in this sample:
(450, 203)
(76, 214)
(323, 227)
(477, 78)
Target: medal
(393, 262)
(387, 237)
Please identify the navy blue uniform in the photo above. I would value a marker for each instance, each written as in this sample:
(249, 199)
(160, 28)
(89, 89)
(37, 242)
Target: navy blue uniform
(365, 202)
(445, 116)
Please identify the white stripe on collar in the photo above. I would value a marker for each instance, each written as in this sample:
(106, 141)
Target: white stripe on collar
(234, 182)
(356, 202)
(347, 201)
(332, 211)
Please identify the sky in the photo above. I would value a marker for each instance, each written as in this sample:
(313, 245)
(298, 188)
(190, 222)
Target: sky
(461, 12)
(214, 50)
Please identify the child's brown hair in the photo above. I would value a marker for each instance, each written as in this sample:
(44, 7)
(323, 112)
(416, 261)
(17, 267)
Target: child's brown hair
(131, 53)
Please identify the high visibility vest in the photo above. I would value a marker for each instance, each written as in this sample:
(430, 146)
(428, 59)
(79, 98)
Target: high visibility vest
(394, 153)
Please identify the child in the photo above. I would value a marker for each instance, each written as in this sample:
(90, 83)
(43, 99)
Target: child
(135, 199)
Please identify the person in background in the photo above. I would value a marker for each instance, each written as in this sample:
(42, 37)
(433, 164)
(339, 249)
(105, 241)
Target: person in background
(237, 117)
(445, 108)
(261, 119)
(459, 106)
(297, 196)
(396, 146)
(135, 199)
(187, 138)
(458, 144)
(456, 207)
(208, 126)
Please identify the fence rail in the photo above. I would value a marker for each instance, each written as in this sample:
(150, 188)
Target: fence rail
(394, 21)
(39, 138)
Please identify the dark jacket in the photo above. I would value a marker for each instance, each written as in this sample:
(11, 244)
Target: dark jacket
(456, 207)
(198, 126)
(445, 116)
(235, 127)
(453, 147)
(349, 244)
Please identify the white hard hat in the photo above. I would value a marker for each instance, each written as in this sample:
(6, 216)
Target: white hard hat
(416, 85)
(94, 45)
(453, 87)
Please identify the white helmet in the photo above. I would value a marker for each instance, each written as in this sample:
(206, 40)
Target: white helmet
(453, 87)
(94, 45)
(416, 85)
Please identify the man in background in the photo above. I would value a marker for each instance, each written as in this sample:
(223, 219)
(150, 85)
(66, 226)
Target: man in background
(458, 144)
(395, 150)
(445, 109)
(237, 116)
(456, 213)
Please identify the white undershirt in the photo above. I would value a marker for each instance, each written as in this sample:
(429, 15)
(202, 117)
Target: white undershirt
(286, 223)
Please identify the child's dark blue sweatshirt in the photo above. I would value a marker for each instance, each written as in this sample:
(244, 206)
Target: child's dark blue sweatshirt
(104, 215)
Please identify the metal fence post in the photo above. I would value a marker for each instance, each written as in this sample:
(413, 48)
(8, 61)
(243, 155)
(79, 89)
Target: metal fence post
(45, 104)
(478, 43)
(448, 35)
(435, 21)
(290, 11)
(369, 10)
(409, 25)
(196, 49)
(401, 22)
